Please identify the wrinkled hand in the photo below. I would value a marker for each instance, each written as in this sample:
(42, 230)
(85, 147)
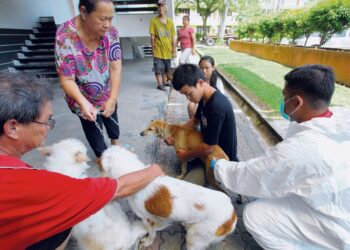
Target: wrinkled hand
(89, 111)
(156, 170)
(181, 154)
(108, 108)
(169, 141)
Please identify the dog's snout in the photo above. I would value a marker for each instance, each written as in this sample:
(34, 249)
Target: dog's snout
(142, 133)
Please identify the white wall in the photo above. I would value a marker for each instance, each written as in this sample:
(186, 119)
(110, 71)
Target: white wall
(138, 25)
(132, 25)
(63, 10)
(22, 14)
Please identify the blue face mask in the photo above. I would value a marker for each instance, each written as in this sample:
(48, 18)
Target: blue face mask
(284, 114)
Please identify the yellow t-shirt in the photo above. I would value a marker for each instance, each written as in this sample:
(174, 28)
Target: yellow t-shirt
(163, 37)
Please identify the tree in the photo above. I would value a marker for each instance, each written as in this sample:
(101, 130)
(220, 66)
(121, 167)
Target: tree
(205, 8)
(329, 17)
(223, 10)
(224, 7)
(266, 28)
(293, 22)
(248, 10)
(178, 4)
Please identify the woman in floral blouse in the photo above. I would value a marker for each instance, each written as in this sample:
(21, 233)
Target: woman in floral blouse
(88, 62)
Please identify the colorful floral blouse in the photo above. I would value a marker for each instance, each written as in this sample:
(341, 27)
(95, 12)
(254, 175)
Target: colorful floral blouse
(90, 68)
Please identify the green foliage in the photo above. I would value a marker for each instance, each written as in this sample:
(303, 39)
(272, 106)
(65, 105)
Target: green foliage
(220, 41)
(205, 8)
(328, 18)
(266, 28)
(199, 36)
(248, 10)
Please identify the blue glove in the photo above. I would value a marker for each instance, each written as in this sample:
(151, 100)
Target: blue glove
(212, 163)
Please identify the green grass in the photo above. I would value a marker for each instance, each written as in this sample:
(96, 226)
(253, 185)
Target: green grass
(264, 93)
(269, 73)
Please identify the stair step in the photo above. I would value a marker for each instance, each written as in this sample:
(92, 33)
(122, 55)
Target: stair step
(46, 24)
(42, 40)
(44, 34)
(44, 29)
(48, 66)
(46, 19)
(38, 47)
(38, 53)
(36, 59)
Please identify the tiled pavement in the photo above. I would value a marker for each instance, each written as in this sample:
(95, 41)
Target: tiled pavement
(250, 144)
(140, 102)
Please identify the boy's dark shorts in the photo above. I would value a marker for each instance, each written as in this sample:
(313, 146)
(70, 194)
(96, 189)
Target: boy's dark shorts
(161, 66)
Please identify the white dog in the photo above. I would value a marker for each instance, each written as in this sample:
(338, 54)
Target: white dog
(109, 228)
(207, 215)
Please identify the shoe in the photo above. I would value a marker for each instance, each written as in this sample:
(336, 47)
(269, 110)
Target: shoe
(161, 87)
(167, 84)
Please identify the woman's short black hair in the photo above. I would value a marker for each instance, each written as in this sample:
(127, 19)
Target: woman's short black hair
(90, 5)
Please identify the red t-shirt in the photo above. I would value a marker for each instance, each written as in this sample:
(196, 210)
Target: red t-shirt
(37, 204)
(184, 35)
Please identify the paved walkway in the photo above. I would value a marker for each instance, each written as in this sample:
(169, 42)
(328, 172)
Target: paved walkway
(140, 102)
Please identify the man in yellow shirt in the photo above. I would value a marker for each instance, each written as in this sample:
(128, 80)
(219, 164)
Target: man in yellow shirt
(163, 42)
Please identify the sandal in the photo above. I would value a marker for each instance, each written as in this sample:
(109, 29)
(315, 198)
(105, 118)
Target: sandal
(161, 87)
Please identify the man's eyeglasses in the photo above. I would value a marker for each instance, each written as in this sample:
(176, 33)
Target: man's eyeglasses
(50, 123)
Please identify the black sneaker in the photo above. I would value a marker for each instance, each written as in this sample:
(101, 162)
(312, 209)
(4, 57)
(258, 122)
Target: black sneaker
(161, 87)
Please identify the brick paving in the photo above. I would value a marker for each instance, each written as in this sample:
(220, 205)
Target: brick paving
(139, 102)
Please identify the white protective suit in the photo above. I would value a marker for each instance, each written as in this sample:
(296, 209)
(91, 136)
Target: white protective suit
(304, 186)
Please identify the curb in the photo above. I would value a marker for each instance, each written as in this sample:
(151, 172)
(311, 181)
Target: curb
(251, 110)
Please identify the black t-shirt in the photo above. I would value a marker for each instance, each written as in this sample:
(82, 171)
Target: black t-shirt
(218, 124)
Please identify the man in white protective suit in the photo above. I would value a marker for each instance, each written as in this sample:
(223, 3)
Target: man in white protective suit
(303, 183)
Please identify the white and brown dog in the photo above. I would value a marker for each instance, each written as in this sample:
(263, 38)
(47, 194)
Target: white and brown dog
(207, 215)
(109, 228)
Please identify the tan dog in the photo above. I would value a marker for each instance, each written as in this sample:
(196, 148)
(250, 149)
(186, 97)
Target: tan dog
(186, 138)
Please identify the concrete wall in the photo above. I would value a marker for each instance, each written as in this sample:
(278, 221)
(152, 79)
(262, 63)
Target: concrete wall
(63, 10)
(296, 56)
(22, 14)
(138, 25)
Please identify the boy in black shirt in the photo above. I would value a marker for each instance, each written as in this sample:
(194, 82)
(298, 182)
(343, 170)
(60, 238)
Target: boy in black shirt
(214, 114)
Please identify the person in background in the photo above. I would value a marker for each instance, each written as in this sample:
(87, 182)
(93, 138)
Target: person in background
(163, 44)
(206, 64)
(88, 62)
(187, 39)
(302, 183)
(38, 207)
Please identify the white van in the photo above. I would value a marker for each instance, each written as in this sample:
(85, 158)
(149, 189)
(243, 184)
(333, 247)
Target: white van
(337, 41)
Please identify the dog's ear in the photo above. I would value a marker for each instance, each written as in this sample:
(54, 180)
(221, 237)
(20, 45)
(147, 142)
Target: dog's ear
(44, 151)
(81, 157)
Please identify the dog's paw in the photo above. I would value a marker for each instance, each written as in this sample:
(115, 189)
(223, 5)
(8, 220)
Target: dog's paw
(146, 241)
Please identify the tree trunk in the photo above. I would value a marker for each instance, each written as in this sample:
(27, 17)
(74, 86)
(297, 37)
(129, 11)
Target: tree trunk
(205, 18)
(223, 16)
(307, 38)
